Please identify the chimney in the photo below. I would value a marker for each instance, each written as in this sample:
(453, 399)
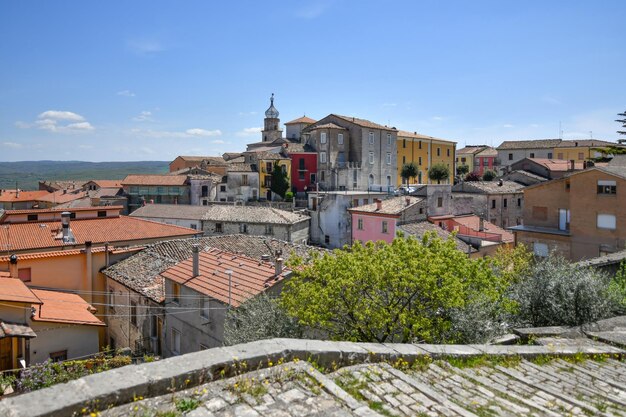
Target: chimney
(195, 250)
(13, 266)
(500, 183)
(265, 258)
(379, 204)
(408, 201)
(65, 224)
(481, 224)
(279, 266)
(571, 162)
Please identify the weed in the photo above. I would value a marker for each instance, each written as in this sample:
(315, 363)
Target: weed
(186, 404)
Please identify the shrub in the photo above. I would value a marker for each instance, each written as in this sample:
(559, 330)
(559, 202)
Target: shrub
(472, 176)
(558, 293)
(438, 172)
(617, 287)
(288, 196)
(489, 175)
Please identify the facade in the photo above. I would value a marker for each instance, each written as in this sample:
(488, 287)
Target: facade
(219, 219)
(424, 151)
(498, 202)
(199, 290)
(466, 156)
(296, 126)
(264, 159)
(579, 216)
(485, 160)
(157, 189)
(242, 183)
(509, 152)
(549, 168)
(381, 219)
(331, 223)
(581, 150)
(482, 235)
(303, 167)
(214, 164)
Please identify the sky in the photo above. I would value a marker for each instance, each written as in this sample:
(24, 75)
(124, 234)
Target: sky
(150, 80)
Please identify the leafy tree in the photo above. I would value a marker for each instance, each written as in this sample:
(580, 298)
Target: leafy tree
(489, 175)
(617, 287)
(404, 291)
(409, 171)
(556, 292)
(472, 176)
(438, 172)
(622, 121)
(259, 318)
(280, 183)
(462, 170)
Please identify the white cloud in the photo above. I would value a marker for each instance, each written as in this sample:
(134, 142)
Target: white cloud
(203, 132)
(144, 116)
(22, 125)
(85, 147)
(126, 93)
(61, 115)
(508, 125)
(11, 145)
(80, 126)
(249, 131)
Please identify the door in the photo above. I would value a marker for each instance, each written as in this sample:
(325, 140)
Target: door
(6, 353)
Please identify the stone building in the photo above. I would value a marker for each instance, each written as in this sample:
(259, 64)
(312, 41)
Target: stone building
(499, 202)
(242, 183)
(511, 151)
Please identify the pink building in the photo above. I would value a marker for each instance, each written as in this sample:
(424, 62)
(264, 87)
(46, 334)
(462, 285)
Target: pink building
(380, 220)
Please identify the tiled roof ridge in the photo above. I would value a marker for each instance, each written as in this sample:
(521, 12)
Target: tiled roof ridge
(363, 122)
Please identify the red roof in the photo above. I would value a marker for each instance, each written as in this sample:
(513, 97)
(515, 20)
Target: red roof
(11, 196)
(14, 290)
(59, 197)
(250, 277)
(473, 222)
(39, 235)
(302, 119)
(63, 307)
(61, 210)
(107, 183)
(171, 180)
(557, 164)
(5, 274)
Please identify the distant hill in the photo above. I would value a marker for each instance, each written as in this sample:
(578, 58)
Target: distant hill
(29, 173)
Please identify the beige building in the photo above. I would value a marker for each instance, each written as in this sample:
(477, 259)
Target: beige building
(580, 216)
(498, 202)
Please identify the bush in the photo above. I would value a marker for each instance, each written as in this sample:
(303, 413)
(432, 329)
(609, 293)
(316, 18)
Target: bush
(617, 287)
(558, 293)
(289, 196)
(472, 176)
(489, 175)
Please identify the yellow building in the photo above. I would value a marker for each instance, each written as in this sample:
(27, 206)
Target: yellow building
(425, 151)
(265, 163)
(580, 150)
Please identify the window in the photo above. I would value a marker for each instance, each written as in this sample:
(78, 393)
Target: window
(58, 356)
(421, 210)
(360, 224)
(540, 249)
(102, 213)
(205, 308)
(404, 143)
(111, 299)
(564, 217)
(388, 139)
(175, 292)
(403, 160)
(438, 151)
(371, 157)
(439, 201)
(219, 228)
(301, 164)
(448, 154)
(339, 138)
(269, 167)
(371, 138)
(493, 204)
(222, 188)
(560, 155)
(419, 160)
(540, 213)
(385, 229)
(606, 221)
(607, 187)
(326, 239)
(301, 175)
(510, 157)
(32, 217)
(323, 176)
(419, 144)
(388, 158)
(504, 203)
(160, 190)
(193, 225)
(313, 178)
(323, 157)
(24, 274)
(244, 179)
(133, 190)
(205, 191)
(388, 180)
(268, 181)
(323, 137)
(532, 154)
(549, 155)
(243, 228)
(175, 342)
(581, 156)
(519, 202)
(269, 229)
(174, 190)
(133, 313)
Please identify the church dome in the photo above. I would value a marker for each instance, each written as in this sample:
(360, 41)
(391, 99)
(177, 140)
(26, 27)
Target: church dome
(271, 113)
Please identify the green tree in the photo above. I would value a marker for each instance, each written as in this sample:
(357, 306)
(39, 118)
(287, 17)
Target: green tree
(409, 171)
(404, 291)
(462, 170)
(472, 176)
(489, 175)
(438, 172)
(622, 121)
(280, 183)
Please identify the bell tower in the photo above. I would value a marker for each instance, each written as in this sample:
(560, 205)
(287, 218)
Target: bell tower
(271, 128)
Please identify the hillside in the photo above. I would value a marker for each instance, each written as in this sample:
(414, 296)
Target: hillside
(28, 173)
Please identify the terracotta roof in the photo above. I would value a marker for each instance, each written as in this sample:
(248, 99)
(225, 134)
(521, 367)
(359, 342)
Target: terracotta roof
(487, 152)
(104, 192)
(60, 197)
(299, 148)
(418, 229)
(249, 276)
(264, 155)
(5, 274)
(63, 185)
(171, 211)
(11, 196)
(555, 164)
(51, 254)
(140, 272)
(363, 122)
(107, 183)
(302, 119)
(529, 144)
(14, 290)
(15, 330)
(171, 180)
(473, 222)
(415, 135)
(63, 307)
(586, 143)
(40, 235)
(328, 126)
(228, 156)
(393, 206)
(60, 210)
(470, 149)
(209, 159)
(237, 160)
(488, 187)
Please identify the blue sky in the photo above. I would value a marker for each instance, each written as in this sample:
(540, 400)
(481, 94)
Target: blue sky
(149, 80)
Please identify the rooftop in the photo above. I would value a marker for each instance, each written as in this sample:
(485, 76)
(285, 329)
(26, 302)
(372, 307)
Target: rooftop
(415, 135)
(14, 290)
(249, 277)
(241, 167)
(473, 222)
(328, 126)
(418, 229)
(364, 123)
(302, 119)
(529, 144)
(12, 196)
(586, 143)
(64, 307)
(392, 206)
(471, 149)
(209, 159)
(167, 180)
(488, 187)
(557, 165)
(44, 235)
(106, 183)
(141, 272)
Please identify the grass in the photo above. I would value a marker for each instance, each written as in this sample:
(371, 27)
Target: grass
(186, 404)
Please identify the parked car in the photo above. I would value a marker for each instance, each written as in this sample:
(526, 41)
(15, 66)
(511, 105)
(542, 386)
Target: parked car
(404, 190)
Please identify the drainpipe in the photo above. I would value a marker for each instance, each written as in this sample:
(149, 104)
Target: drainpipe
(89, 271)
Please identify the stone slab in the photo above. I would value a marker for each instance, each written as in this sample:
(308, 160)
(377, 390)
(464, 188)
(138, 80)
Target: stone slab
(617, 338)
(438, 351)
(548, 331)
